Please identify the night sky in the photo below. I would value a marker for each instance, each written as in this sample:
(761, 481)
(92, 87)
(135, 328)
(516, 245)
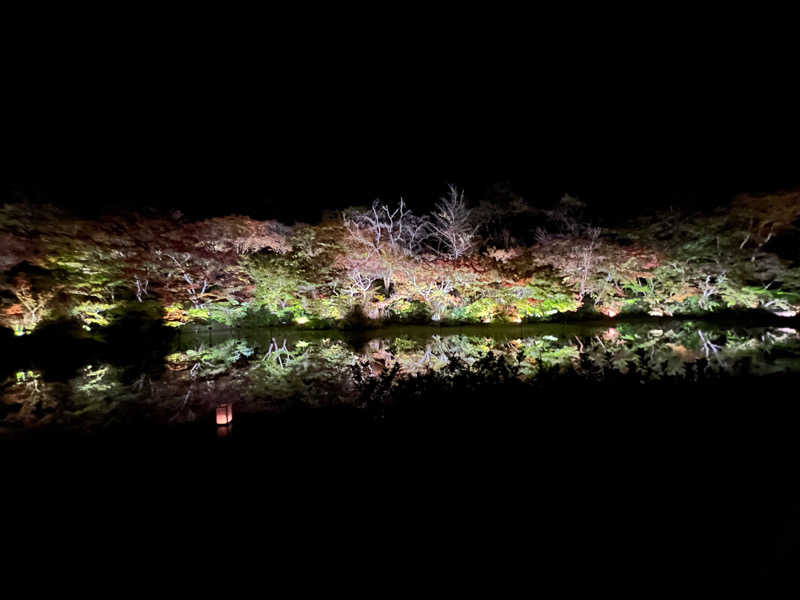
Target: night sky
(289, 198)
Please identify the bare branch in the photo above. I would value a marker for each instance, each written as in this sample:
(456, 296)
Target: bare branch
(452, 226)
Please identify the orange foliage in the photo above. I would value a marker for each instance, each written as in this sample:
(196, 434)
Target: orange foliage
(15, 310)
(683, 295)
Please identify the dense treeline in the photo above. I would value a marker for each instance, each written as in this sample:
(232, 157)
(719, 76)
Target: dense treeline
(502, 260)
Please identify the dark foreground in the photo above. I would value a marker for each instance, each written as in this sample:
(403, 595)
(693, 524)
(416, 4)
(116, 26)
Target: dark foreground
(641, 487)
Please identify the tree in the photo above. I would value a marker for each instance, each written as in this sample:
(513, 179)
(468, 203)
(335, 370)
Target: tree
(587, 256)
(435, 293)
(765, 217)
(454, 233)
(382, 228)
(241, 235)
(196, 288)
(568, 215)
(32, 302)
(360, 282)
(390, 236)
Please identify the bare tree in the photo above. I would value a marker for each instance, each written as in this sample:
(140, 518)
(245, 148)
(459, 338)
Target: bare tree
(587, 256)
(707, 346)
(141, 288)
(383, 228)
(360, 282)
(194, 289)
(435, 292)
(454, 232)
(405, 231)
(436, 288)
(710, 289)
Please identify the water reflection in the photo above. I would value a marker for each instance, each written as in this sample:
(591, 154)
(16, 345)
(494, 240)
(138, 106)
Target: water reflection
(211, 376)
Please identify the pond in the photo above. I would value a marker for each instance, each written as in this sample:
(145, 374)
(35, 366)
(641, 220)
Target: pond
(202, 377)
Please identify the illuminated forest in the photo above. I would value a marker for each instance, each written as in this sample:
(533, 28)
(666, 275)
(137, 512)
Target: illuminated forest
(520, 312)
(494, 262)
(165, 318)
(655, 352)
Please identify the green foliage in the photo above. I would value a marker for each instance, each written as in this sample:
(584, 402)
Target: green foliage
(228, 313)
(402, 344)
(275, 374)
(545, 352)
(551, 295)
(405, 311)
(319, 372)
(277, 282)
(215, 360)
(776, 299)
(194, 314)
(735, 295)
(480, 311)
(236, 271)
(93, 313)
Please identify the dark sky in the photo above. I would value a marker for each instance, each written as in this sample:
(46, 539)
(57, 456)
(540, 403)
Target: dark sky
(292, 198)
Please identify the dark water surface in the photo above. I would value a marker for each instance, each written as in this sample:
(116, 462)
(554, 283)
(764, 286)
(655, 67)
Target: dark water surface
(265, 371)
(654, 453)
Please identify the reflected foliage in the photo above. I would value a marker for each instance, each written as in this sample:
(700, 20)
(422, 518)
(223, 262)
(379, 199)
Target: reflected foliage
(261, 374)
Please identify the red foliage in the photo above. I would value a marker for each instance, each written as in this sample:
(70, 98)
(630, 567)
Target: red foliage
(15, 310)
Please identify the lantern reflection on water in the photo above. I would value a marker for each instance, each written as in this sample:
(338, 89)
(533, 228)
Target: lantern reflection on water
(224, 414)
(223, 432)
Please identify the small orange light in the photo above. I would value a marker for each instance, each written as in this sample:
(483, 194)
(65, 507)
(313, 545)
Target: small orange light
(224, 414)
